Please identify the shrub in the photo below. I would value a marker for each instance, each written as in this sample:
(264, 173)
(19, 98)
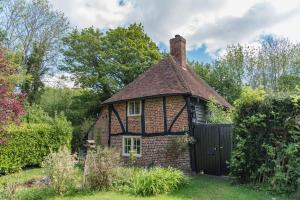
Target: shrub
(59, 166)
(217, 114)
(30, 142)
(100, 168)
(156, 181)
(267, 142)
(179, 145)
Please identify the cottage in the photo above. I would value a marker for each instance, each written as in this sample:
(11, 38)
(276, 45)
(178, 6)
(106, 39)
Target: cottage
(158, 106)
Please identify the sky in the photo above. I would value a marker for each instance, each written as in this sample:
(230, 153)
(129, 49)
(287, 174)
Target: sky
(208, 25)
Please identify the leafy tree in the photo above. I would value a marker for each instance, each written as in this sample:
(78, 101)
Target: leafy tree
(106, 62)
(34, 29)
(225, 74)
(271, 64)
(129, 51)
(80, 107)
(11, 103)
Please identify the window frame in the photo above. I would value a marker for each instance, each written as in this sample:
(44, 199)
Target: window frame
(134, 108)
(131, 145)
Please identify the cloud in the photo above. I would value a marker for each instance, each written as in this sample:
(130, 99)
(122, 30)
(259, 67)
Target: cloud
(213, 23)
(98, 13)
(164, 19)
(229, 30)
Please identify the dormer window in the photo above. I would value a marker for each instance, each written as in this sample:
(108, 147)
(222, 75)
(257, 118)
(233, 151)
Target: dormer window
(134, 108)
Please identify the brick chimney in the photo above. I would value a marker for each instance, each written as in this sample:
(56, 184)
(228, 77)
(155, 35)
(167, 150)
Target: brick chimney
(178, 51)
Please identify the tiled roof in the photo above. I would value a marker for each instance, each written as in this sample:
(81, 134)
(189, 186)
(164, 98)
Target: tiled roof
(167, 78)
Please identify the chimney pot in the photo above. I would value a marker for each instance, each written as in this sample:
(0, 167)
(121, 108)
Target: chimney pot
(178, 49)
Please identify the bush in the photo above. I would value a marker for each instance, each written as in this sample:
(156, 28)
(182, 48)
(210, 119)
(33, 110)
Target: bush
(267, 142)
(100, 169)
(156, 181)
(59, 166)
(30, 142)
(217, 114)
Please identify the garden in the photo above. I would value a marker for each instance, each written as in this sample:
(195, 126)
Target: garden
(264, 164)
(44, 121)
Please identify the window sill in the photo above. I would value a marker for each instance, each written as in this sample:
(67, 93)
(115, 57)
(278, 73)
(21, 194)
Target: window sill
(134, 115)
(127, 155)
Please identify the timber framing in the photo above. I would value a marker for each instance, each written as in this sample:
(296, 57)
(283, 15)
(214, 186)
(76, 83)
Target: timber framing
(119, 119)
(165, 115)
(167, 131)
(143, 117)
(109, 124)
(176, 117)
(150, 134)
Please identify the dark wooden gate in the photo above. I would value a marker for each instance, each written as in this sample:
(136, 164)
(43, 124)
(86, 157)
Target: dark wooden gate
(212, 148)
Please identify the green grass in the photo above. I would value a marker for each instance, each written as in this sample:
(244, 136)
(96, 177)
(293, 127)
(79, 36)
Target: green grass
(200, 187)
(22, 176)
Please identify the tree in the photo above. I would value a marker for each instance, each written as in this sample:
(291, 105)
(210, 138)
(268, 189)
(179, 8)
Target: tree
(129, 51)
(105, 62)
(272, 64)
(35, 30)
(11, 103)
(225, 74)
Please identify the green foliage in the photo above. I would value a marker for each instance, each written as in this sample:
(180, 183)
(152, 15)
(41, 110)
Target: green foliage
(272, 65)
(79, 106)
(225, 75)
(33, 139)
(249, 95)
(217, 114)
(107, 62)
(59, 166)
(157, 180)
(179, 145)
(35, 30)
(35, 114)
(100, 168)
(267, 141)
(57, 100)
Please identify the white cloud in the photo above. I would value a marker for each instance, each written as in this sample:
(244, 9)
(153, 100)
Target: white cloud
(64, 80)
(214, 23)
(99, 13)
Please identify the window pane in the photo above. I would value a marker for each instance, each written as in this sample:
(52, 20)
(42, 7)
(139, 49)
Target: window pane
(137, 145)
(131, 108)
(127, 145)
(128, 141)
(127, 149)
(137, 107)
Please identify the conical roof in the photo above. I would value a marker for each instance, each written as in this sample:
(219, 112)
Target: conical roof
(167, 78)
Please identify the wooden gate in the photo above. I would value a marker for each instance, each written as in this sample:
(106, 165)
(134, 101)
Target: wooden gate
(212, 148)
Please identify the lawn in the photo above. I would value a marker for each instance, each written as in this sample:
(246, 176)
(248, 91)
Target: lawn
(200, 187)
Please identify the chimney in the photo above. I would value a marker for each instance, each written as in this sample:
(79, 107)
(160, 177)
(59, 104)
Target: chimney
(177, 48)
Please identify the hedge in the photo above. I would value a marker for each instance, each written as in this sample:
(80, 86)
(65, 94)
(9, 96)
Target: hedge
(29, 143)
(267, 143)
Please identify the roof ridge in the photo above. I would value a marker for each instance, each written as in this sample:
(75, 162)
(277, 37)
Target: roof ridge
(178, 74)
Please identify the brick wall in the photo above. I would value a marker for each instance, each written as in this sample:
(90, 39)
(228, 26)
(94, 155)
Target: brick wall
(99, 133)
(115, 125)
(154, 151)
(174, 105)
(154, 116)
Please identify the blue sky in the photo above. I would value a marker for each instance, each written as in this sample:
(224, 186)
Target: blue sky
(208, 25)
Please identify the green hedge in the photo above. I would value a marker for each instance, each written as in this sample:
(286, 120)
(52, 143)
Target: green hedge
(30, 142)
(267, 143)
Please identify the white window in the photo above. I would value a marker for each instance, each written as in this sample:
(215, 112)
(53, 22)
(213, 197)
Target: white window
(131, 143)
(134, 108)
